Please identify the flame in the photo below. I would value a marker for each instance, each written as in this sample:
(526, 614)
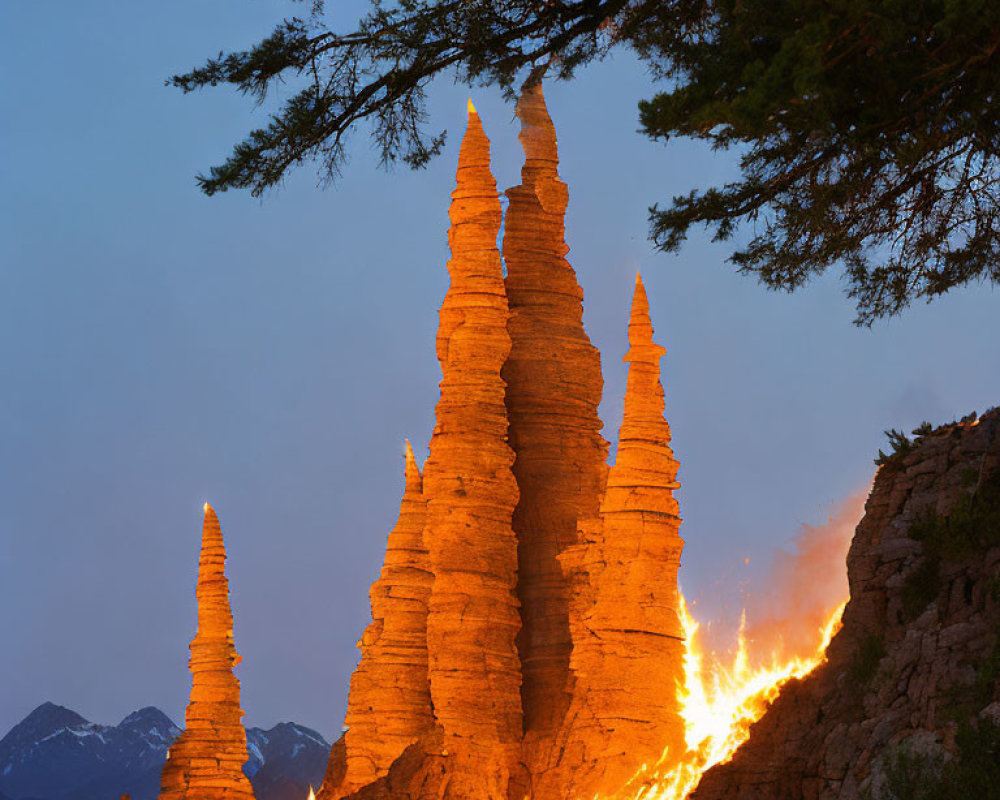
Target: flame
(312, 794)
(719, 704)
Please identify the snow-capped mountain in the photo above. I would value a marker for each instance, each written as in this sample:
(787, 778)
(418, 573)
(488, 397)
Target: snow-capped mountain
(285, 761)
(55, 754)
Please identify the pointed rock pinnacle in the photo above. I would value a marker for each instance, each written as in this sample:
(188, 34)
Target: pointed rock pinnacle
(475, 221)
(643, 426)
(626, 628)
(206, 761)
(414, 482)
(554, 387)
(389, 704)
(471, 494)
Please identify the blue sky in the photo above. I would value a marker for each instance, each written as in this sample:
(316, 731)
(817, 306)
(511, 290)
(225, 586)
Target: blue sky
(159, 349)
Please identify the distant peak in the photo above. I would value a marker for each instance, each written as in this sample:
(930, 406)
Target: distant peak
(293, 729)
(44, 720)
(150, 716)
(51, 712)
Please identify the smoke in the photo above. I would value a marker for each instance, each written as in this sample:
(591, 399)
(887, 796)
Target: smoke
(803, 585)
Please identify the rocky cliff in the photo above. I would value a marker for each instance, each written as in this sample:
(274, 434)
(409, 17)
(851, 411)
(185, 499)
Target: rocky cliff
(906, 704)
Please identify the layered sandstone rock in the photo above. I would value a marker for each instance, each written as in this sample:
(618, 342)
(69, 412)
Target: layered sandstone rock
(628, 646)
(473, 749)
(473, 620)
(595, 579)
(206, 761)
(911, 680)
(554, 386)
(466, 741)
(389, 705)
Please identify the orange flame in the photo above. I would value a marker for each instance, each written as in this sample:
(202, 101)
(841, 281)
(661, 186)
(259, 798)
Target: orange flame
(719, 704)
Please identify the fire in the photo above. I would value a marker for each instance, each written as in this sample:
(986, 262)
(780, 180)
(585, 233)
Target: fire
(719, 703)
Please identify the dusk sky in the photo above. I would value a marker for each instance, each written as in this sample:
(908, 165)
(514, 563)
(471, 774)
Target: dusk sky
(159, 348)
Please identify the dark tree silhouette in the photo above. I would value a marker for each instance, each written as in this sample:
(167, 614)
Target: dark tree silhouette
(868, 131)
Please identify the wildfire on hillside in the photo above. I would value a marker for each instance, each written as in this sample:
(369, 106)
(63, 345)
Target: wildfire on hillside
(719, 704)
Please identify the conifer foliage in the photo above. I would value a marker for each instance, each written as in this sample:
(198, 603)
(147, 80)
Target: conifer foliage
(868, 131)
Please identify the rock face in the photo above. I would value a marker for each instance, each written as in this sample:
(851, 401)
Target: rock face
(206, 761)
(554, 387)
(389, 705)
(913, 678)
(628, 646)
(473, 620)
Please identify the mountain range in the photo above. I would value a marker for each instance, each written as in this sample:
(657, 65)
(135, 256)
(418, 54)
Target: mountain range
(56, 754)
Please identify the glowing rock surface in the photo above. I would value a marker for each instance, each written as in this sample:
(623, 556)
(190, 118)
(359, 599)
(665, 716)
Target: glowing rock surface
(389, 705)
(554, 387)
(473, 620)
(551, 585)
(206, 761)
(628, 645)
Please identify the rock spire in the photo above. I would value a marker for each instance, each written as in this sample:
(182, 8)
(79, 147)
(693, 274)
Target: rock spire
(628, 646)
(554, 387)
(472, 724)
(552, 647)
(206, 761)
(473, 619)
(389, 705)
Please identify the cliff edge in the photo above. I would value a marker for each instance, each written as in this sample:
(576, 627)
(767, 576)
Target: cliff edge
(906, 704)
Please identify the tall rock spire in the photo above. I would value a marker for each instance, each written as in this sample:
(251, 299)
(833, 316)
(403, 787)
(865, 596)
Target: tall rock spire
(473, 619)
(389, 705)
(206, 761)
(554, 387)
(628, 647)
